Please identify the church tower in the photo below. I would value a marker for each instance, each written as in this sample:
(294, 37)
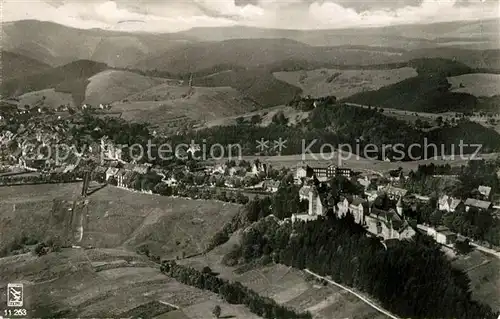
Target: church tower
(399, 207)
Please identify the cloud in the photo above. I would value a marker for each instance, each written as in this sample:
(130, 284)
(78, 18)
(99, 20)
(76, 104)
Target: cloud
(174, 15)
(329, 13)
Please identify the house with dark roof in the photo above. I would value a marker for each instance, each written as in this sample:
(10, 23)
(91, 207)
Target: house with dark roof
(476, 203)
(388, 225)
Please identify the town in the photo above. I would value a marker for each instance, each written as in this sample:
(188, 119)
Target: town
(250, 159)
(378, 201)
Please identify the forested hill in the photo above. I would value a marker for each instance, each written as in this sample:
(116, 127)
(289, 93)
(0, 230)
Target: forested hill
(343, 124)
(427, 92)
(412, 279)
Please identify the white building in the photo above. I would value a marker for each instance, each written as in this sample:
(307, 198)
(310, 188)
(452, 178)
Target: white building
(449, 204)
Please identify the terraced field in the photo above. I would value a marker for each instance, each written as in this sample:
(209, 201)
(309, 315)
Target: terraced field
(72, 284)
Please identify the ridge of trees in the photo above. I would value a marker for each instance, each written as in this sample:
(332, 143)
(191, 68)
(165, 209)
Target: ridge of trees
(337, 124)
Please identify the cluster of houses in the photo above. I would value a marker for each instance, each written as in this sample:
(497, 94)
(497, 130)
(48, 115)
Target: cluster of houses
(386, 224)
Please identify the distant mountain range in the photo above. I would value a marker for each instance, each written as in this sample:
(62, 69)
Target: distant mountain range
(477, 34)
(41, 56)
(56, 44)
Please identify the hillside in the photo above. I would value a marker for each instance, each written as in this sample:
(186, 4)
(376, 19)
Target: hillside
(57, 45)
(112, 85)
(106, 283)
(169, 105)
(425, 93)
(15, 65)
(70, 78)
(258, 84)
(112, 218)
(48, 97)
(477, 84)
(343, 82)
(481, 59)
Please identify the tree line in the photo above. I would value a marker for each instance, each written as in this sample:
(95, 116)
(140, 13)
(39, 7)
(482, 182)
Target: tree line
(232, 292)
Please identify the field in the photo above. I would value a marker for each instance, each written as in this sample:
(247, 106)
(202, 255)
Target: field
(361, 164)
(477, 84)
(111, 279)
(69, 284)
(48, 98)
(343, 83)
(110, 86)
(168, 102)
(112, 218)
(485, 277)
(288, 286)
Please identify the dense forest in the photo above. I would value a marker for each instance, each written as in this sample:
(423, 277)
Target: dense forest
(410, 278)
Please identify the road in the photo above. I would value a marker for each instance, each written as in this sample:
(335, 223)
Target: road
(486, 250)
(367, 301)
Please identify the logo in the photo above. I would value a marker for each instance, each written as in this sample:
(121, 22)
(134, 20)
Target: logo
(15, 295)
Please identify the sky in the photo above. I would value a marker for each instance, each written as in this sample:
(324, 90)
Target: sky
(177, 15)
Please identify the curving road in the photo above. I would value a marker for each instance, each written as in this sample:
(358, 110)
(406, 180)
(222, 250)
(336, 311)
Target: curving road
(367, 301)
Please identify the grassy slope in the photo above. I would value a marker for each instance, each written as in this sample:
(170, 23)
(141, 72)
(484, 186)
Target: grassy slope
(477, 84)
(115, 217)
(111, 85)
(164, 103)
(343, 83)
(259, 84)
(427, 92)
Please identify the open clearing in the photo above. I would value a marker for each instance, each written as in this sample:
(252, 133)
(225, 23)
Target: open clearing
(288, 286)
(48, 98)
(343, 83)
(113, 217)
(166, 102)
(477, 84)
(66, 284)
(484, 275)
(110, 86)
